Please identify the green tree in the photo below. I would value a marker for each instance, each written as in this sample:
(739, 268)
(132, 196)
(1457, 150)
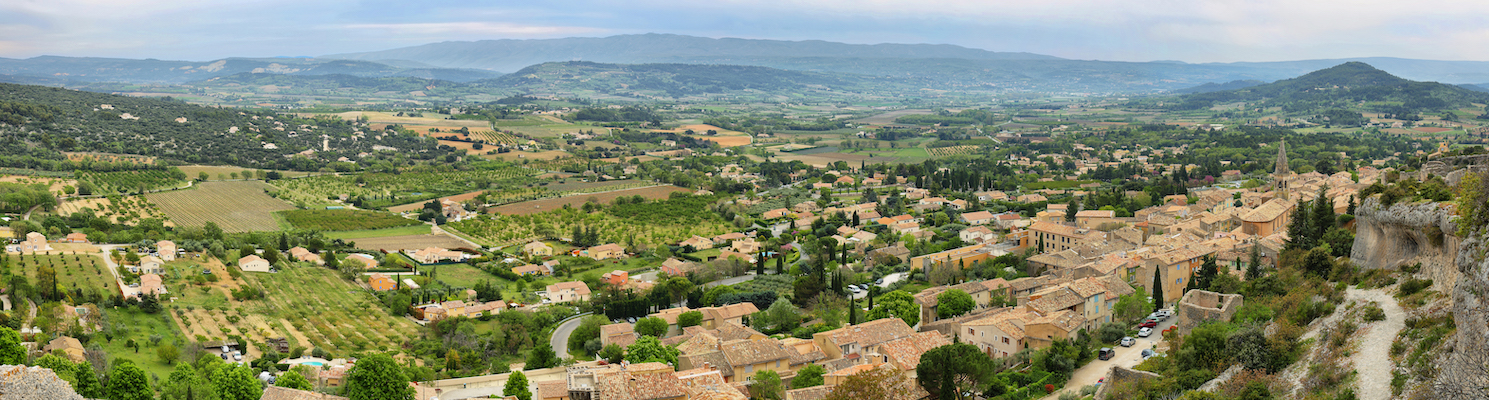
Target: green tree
(613, 353)
(1208, 270)
(899, 304)
(1071, 208)
(517, 386)
(1204, 347)
(767, 386)
(954, 371)
(60, 366)
(651, 326)
(782, 315)
(168, 354)
(1158, 299)
(87, 384)
(128, 382)
(1133, 306)
(1254, 264)
(651, 349)
(1323, 214)
(11, 351)
(236, 382)
(541, 356)
(588, 329)
(293, 380)
(1319, 262)
(377, 377)
(876, 383)
(185, 383)
(690, 318)
(1299, 233)
(808, 376)
(954, 302)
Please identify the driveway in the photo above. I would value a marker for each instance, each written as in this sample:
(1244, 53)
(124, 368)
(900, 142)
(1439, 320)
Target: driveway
(560, 339)
(892, 278)
(1126, 357)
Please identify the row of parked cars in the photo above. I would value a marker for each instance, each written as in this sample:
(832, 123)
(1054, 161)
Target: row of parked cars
(1145, 329)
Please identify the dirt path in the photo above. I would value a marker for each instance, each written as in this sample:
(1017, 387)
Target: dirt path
(1373, 361)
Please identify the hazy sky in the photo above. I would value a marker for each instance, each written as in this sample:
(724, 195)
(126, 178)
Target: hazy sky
(1133, 30)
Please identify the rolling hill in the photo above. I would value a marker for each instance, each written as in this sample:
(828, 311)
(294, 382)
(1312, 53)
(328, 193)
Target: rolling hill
(1351, 85)
(51, 70)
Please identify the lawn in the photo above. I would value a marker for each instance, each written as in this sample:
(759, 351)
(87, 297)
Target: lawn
(131, 323)
(462, 275)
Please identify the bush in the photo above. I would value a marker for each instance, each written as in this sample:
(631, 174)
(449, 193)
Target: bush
(1414, 286)
(1373, 313)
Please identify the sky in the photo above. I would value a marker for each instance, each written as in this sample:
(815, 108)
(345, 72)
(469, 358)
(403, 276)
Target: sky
(1140, 30)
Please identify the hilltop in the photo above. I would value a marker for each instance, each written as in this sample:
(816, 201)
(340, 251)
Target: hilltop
(52, 70)
(1344, 86)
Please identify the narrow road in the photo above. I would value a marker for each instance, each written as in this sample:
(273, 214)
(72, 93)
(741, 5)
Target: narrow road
(560, 339)
(1127, 357)
(1373, 361)
(730, 281)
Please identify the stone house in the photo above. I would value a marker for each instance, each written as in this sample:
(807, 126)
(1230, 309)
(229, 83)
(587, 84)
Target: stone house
(253, 263)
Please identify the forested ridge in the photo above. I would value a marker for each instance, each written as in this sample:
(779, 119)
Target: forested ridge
(1344, 86)
(37, 123)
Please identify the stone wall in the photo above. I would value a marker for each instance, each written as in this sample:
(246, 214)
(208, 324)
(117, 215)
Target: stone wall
(1199, 306)
(1406, 234)
(1118, 375)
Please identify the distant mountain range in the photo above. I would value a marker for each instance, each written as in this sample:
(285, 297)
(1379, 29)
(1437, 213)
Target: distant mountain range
(1345, 86)
(51, 70)
(915, 67)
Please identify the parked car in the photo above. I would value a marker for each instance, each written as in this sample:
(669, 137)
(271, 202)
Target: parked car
(631, 319)
(1165, 314)
(1148, 323)
(1128, 341)
(1148, 353)
(1106, 353)
(1145, 332)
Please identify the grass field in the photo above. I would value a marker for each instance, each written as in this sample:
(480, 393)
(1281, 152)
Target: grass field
(509, 229)
(133, 324)
(239, 206)
(419, 229)
(343, 220)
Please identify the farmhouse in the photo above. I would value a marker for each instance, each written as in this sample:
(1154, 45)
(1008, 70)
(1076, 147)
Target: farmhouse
(304, 255)
(253, 263)
(532, 269)
(431, 255)
(366, 259)
(381, 283)
(150, 284)
(69, 346)
(537, 249)
(604, 252)
(698, 243)
(35, 243)
(150, 265)
(676, 267)
(977, 218)
(167, 250)
(76, 237)
(616, 277)
(564, 292)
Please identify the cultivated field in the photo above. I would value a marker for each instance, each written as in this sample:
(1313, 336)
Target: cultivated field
(459, 198)
(75, 272)
(399, 243)
(221, 173)
(130, 181)
(238, 206)
(537, 206)
(726, 138)
(343, 220)
(54, 185)
(951, 151)
(382, 190)
(120, 209)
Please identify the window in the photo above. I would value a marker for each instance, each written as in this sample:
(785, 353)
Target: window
(778, 363)
(749, 369)
(1005, 341)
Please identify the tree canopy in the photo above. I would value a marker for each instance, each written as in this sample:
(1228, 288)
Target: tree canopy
(898, 304)
(954, 371)
(377, 377)
(954, 302)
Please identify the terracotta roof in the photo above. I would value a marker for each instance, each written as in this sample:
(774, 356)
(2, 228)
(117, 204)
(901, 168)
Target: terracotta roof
(1115, 287)
(1008, 320)
(1268, 211)
(579, 287)
(1087, 287)
(803, 351)
(708, 384)
(730, 311)
(906, 352)
(980, 215)
(607, 247)
(1096, 214)
(1058, 229)
(699, 343)
(750, 352)
(871, 333)
(812, 393)
(1054, 299)
(730, 330)
(1065, 319)
(553, 388)
(284, 393)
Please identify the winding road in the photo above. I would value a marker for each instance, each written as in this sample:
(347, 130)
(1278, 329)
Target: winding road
(560, 339)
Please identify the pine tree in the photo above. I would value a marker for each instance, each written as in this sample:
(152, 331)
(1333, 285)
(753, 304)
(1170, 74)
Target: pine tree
(1298, 230)
(1323, 216)
(1072, 208)
(1207, 273)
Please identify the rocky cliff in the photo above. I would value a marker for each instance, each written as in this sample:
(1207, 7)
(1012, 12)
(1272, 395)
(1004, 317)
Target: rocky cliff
(1407, 234)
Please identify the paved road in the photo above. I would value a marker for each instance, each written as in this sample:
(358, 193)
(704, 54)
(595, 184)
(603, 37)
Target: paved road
(1126, 357)
(560, 339)
(730, 281)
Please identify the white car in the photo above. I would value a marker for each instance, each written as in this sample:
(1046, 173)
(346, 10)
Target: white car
(1128, 341)
(1145, 332)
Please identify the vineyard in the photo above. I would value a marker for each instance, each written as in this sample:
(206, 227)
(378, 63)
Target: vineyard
(135, 181)
(120, 209)
(498, 137)
(641, 225)
(343, 220)
(75, 272)
(952, 150)
(239, 206)
(328, 312)
(383, 189)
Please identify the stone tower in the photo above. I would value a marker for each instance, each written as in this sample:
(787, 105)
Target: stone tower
(1281, 174)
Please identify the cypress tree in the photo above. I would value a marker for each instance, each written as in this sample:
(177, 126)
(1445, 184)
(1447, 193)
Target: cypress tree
(1323, 216)
(1254, 269)
(1298, 230)
(1157, 289)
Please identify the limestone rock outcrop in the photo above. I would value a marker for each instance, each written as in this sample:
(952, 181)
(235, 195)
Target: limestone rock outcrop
(1406, 234)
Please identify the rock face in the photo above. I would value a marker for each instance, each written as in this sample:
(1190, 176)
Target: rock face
(1471, 312)
(1199, 306)
(19, 382)
(1406, 234)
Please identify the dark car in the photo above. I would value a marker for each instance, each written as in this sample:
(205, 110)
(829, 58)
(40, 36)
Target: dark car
(1106, 353)
(1148, 324)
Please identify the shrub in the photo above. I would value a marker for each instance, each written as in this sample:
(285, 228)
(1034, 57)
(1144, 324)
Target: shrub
(1414, 286)
(1373, 313)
